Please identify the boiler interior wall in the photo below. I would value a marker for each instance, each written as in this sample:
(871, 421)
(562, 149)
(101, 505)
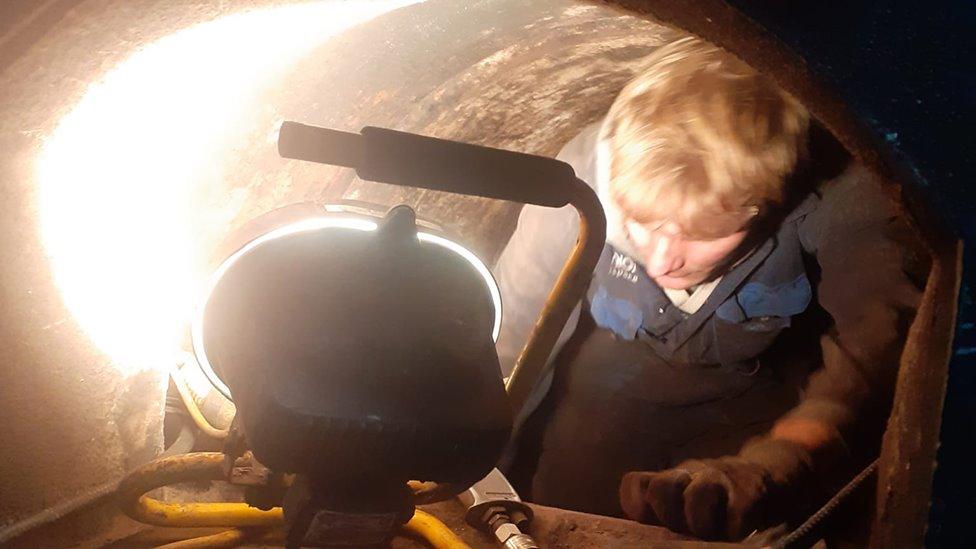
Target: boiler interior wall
(505, 73)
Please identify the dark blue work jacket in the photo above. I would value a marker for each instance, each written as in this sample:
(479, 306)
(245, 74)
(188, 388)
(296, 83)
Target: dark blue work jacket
(848, 226)
(739, 320)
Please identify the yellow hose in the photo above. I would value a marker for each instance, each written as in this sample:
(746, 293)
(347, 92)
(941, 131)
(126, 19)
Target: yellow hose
(205, 466)
(436, 533)
(196, 467)
(432, 492)
(191, 406)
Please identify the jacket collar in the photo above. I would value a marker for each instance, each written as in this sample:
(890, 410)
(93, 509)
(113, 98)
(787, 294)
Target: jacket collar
(667, 317)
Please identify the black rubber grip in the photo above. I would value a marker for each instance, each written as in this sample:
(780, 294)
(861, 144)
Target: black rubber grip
(321, 145)
(410, 160)
(414, 160)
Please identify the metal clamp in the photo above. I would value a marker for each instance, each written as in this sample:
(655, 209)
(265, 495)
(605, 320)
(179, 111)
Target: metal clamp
(494, 507)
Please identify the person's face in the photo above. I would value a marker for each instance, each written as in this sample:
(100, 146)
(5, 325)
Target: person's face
(676, 260)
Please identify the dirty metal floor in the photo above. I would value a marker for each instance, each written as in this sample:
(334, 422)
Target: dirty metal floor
(552, 528)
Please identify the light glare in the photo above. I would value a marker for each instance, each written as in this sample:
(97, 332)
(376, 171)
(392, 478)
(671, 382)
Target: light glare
(121, 177)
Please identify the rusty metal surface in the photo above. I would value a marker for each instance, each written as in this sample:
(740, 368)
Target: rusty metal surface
(552, 528)
(912, 438)
(559, 529)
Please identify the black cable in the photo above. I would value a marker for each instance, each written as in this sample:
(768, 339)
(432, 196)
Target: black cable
(184, 443)
(827, 508)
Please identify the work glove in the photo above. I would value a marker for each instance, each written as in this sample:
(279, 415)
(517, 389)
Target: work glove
(724, 498)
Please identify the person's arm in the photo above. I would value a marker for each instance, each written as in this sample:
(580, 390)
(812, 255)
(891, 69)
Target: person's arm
(526, 272)
(534, 256)
(872, 267)
(872, 270)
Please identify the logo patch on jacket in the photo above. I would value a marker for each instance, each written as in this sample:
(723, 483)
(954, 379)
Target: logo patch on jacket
(623, 267)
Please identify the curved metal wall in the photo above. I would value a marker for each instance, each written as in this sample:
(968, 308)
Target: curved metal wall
(506, 73)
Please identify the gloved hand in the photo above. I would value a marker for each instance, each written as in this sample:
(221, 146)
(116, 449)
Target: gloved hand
(725, 498)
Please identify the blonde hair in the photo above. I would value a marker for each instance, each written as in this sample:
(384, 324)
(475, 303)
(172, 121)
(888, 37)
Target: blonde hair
(701, 134)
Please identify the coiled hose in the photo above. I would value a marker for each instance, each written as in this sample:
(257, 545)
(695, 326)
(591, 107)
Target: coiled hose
(247, 522)
(186, 395)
